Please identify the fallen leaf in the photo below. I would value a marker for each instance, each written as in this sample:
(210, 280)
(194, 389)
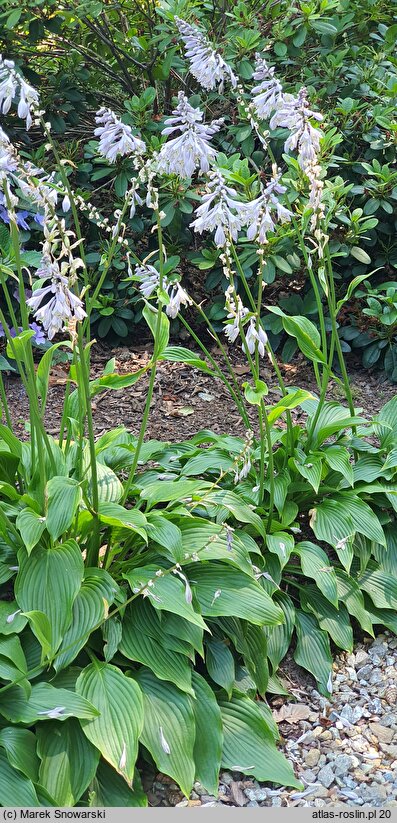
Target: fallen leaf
(292, 713)
(237, 795)
(184, 411)
(205, 396)
(242, 368)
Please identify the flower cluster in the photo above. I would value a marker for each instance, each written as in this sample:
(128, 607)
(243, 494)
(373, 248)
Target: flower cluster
(267, 94)
(220, 211)
(206, 64)
(115, 137)
(243, 460)
(265, 209)
(149, 283)
(191, 149)
(13, 85)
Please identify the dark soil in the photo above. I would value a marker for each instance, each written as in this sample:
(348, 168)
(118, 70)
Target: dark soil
(185, 400)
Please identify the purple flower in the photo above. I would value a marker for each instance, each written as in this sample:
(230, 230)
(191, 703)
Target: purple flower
(20, 217)
(39, 337)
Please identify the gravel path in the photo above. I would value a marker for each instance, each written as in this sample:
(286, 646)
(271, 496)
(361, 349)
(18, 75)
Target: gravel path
(344, 750)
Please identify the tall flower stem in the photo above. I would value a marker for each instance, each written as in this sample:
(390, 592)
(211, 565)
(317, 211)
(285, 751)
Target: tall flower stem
(93, 550)
(153, 370)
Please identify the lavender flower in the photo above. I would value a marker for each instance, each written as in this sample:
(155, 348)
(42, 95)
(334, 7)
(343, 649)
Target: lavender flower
(150, 281)
(115, 137)
(265, 210)
(206, 64)
(236, 314)
(13, 85)
(220, 211)
(267, 94)
(55, 305)
(191, 149)
(294, 114)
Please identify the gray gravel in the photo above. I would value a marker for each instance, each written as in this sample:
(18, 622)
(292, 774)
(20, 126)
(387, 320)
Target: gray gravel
(344, 752)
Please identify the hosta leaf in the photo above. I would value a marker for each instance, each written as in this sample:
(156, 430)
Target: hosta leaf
(279, 637)
(175, 626)
(166, 534)
(315, 564)
(15, 788)
(334, 621)
(222, 590)
(209, 735)
(117, 516)
(178, 354)
(48, 581)
(89, 608)
(381, 587)
(45, 703)
(256, 657)
(333, 419)
(332, 522)
(311, 470)
(68, 761)
(313, 651)
(288, 401)
(142, 641)
(169, 728)
(116, 731)
(281, 544)
(63, 497)
(31, 527)
(12, 621)
(20, 747)
(167, 593)
(338, 459)
(220, 664)
(349, 592)
(212, 541)
(249, 745)
(110, 490)
(208, 460)
(109, 789)
(240, 510)
(166, 491)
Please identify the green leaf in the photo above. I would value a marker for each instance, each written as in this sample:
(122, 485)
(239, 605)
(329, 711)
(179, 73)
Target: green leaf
(12, 621)
(111, 790)
(90, 607)
(178, 354)
(281, 544)
(169, 728)
(338, 459)
(117, 516)
(222, 590)
(313, 651)
(15, 788)
(20, 747)
(31, 527)
(150, 315)
(220, 664)
(305, 332)
(334, 621)
(249, 745)
(360, 255)
(68, 761)
(41, 628)
(279, 637)
(116, 731)
(208, 742)
(255, 394)
(48, 581)
(63, 497)
(143, 641)
(289, 401)
(381, 587)
(315, 564)
(165, 491)
(311, 470)
(45, 703)
(349, 592)
(236, 506)
(167, 592)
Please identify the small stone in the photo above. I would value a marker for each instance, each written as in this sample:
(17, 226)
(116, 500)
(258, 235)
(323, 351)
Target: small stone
(375, 678)
(320, 791)
(253, 803)
(365, 672)
(360, 657)
(308, 776)
(382, 733)
(276, 801)
(326, 735)
(226, 778)
(326, 776)
(342, 764)
(319, 802)
(312, 757)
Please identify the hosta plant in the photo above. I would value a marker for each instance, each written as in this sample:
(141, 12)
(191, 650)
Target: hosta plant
(151, 590)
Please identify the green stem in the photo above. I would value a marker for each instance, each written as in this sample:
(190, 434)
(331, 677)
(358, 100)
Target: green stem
(93, 549)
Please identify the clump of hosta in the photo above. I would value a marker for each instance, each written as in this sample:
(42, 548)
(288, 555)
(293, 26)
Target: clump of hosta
(206, 64)
(191, 149)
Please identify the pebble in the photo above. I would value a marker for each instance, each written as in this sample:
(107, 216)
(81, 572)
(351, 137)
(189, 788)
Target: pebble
(382, 733)
(312, 757)
(326, 776)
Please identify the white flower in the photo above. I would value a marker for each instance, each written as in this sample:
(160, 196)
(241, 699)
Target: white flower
(219, 211)
(236, 313)
(115, 137)
(255, 337)
(265, 209)
(8, 161)
(266, 95)
(191, 149)
(294, 114)
(150, 281)
(178, 297)
(13, 85)
(206, 64)
(66, 203)
(61, 304)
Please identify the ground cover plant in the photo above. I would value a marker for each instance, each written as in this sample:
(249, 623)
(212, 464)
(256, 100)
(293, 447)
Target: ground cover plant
(147, 587)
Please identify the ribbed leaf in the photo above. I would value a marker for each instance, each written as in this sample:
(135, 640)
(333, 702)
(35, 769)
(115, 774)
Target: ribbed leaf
(20, 747)
(63, 498)
(281, 544)
(279, 637)
(209, 735)
(249, 745)
(142, 640)
(12, 621)
(381, 587)
(311, 470)
(48, 581)
(89, 608)
(45, 703)
(169, 728)
(166, 593)
(331, 522)
(313, 651)
(349, 592)
(31, 527)
(212, 541)
(15, 788)
(68, 761)
(117, 516)
(220, 664)
(166, 491)
(111, 790)
(178, 354)
(116, 731)
(222, 590)
(334, 621)
(237, 507)
(338, 459)
(166, 534)
(315, 564)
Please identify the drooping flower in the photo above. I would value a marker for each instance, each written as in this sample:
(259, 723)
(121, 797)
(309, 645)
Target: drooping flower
(13, 85)
(236, 313)
(115, 137)
(266, 95)
(150, 281)
(266, 209)
(206, 64)
(178, 297)
(191, 149)
(255, 336)
(220, 211)
(294, 114)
